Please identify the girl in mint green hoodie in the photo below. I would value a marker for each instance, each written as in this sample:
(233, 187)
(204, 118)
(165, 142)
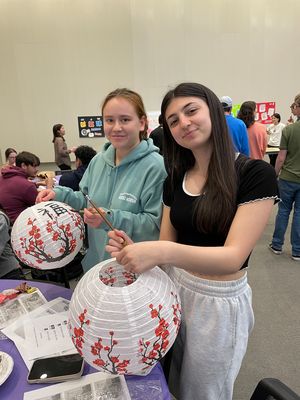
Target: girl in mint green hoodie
(125, 180)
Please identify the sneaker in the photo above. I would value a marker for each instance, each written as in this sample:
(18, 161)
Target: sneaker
(296, 258)
(275, 251)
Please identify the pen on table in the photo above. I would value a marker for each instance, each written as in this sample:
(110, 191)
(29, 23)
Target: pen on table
(102, 215)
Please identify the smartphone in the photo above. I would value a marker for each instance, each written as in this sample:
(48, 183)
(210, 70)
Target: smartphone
(56, 369)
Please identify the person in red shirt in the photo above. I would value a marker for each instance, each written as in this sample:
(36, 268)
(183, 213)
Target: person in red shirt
(16, 191)
(257, 133)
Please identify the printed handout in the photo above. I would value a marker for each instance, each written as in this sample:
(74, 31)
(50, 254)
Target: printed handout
(43, 334)
(97, 386)
(24, 303)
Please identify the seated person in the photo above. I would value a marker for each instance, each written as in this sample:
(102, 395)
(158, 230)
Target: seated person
(83, 155)
(9, 266)
(10, 158)
(157, 136)
(16, 191)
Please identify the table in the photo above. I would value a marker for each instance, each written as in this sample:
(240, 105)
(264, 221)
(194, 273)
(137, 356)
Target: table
(16, 384)
(272, 150)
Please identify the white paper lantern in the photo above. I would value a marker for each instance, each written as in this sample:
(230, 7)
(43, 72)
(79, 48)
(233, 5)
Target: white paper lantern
(122, 323)
(47, 235)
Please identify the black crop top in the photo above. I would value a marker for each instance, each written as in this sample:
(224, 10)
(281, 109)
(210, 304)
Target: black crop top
(257, 181)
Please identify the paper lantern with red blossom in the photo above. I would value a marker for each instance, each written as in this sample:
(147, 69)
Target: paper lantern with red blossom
(123, 323)
(47, 235)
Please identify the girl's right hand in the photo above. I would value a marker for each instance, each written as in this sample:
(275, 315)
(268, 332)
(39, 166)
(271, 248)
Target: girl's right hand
(92, 218)
(116, 242)
(45, 195)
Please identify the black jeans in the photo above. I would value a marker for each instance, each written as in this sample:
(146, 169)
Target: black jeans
(273, 158)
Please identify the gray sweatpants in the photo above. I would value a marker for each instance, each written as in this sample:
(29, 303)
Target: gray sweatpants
(217, 318)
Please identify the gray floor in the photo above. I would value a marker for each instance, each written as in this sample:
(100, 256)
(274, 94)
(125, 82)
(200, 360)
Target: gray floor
(274, 346)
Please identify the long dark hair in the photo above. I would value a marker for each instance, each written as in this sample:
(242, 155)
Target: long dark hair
(215, 210)
(56, 131)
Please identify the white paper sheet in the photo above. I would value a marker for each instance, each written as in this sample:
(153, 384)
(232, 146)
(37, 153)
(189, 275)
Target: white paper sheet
(98, 386)
(47, 334)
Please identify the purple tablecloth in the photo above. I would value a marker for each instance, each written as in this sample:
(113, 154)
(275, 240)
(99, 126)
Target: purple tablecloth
(16, 384)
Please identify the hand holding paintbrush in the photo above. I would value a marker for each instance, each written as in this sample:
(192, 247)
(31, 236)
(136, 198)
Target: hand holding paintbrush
(94, 210)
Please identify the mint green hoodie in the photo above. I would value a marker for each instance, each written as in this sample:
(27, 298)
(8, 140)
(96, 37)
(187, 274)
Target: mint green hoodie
(131, 194)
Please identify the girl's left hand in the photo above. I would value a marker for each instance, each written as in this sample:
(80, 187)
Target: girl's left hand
(139, 257)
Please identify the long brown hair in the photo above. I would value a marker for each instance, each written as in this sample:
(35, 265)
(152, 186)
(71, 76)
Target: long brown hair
(213, 211)
(56, 131)
(137, 102)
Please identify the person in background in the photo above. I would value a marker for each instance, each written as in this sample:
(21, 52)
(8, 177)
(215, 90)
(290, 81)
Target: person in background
(211, 198)
(237, 128)
(16, 191)
(62, 153)
(10, 158)
(9, 266)
(274, 131)
(84, 155)
(288, 168)
(257, 133)
(157, 136)
(125, 179)
(293, 113)
(293, 108)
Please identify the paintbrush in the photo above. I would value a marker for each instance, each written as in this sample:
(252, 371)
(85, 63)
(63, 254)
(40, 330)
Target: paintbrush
(102, 214)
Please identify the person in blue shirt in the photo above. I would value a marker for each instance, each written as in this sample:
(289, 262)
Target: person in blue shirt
(237, 128)
(84, 155)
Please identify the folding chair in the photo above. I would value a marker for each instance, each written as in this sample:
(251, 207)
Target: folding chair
(273, 389)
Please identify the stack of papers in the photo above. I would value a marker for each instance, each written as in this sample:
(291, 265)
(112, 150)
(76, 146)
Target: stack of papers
(43, 332)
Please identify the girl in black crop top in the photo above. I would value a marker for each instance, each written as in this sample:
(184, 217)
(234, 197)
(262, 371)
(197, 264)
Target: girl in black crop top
(216, 206)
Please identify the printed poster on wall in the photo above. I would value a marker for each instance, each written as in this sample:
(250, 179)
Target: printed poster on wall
(90, 127)
(264, 112)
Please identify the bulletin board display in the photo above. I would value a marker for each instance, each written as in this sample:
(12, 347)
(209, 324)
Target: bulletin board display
(264, 111)
(90, 127)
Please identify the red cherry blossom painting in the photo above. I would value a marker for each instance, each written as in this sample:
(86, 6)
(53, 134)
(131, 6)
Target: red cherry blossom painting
(47, 235)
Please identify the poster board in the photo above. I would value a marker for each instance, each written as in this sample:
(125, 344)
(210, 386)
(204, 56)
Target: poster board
(264, 112)
(90, 127)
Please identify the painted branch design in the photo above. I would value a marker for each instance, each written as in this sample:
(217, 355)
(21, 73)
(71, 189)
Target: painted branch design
(113, 364)
(78, 333)
(35, 246)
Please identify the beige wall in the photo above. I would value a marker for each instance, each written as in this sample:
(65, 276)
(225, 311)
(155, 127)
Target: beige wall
(59, 58)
